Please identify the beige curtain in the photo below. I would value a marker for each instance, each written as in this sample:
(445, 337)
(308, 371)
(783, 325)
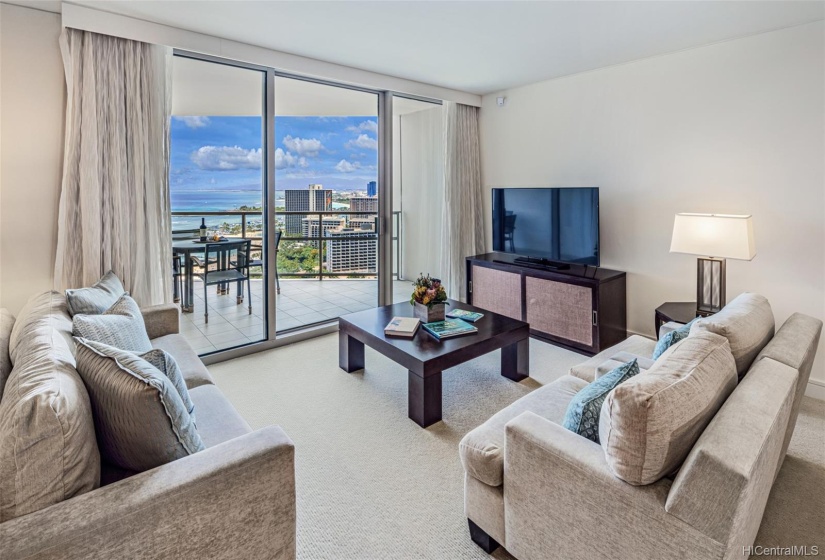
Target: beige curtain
(462, 228)
(114, 203)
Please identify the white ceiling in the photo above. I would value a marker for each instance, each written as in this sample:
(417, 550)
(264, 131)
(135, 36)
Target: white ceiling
(474, 46)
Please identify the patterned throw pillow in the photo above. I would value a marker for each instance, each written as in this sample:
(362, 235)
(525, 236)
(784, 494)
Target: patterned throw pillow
(141, 421)
(96, 299)
(120, 326)
(671, 338)
(582, 416)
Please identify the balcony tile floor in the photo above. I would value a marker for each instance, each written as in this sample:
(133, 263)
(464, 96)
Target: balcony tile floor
(300, 303)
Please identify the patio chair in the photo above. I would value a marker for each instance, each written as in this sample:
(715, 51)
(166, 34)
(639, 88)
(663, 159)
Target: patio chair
(231, 265)
(260, 263)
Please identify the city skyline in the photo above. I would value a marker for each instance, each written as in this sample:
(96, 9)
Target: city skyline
(223, 154)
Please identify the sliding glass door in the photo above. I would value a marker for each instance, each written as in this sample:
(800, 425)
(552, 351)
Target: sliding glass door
(327, 201)
(294, 167)
(217, 181)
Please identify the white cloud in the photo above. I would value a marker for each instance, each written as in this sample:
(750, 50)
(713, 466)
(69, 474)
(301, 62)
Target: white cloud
(284, 160)
(365, 126)
(363, 141)
(193, 121)
(345, 166)
(303, 146)
(226, 158)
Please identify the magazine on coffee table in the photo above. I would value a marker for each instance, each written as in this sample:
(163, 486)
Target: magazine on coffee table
(448, 329)
(405, 327)
(464, 315)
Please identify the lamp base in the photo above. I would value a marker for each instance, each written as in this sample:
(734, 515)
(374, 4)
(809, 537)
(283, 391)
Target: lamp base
(710, 285)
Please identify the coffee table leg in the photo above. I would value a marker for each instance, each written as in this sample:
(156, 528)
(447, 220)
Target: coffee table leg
(350, 353)
(515, 360)
(424, 396)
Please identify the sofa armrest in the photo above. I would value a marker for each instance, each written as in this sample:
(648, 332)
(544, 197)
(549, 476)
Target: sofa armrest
(233, 500)
(161, 319)
(668, 327)
(558, 483)
(622, 358)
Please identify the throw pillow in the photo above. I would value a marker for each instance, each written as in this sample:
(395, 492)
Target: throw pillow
(96, 299)
(582, 416)
(167, 365)
(649, 424)
(120, 326)
(140, 419)
(671, 338)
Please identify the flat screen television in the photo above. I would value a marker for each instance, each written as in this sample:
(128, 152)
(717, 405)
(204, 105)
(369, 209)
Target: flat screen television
(548, 225)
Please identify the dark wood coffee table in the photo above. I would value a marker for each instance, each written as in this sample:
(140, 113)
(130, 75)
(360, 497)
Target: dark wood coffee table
(425, 357)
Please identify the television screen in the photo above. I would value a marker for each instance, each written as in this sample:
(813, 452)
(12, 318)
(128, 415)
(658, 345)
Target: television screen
(555, 224)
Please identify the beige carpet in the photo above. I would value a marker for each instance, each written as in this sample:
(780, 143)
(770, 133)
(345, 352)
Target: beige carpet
(373, 485)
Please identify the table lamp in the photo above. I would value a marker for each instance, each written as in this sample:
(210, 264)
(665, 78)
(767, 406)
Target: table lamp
(715, 237)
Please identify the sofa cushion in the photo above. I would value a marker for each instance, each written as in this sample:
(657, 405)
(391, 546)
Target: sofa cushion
(649, 424)
(634, 344)
(582, 416)
(194, 372)
(120, 326)
(482, 449)
(218, 419)
(671, 338)
(97, 298)
(140, 419)
(6, 325)
(48, 451)
(747, 322)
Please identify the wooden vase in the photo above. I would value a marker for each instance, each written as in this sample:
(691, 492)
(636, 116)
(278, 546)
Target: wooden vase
(429, 314)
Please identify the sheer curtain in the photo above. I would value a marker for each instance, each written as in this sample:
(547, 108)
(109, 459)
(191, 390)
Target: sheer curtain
(462, 228)
(114, 203)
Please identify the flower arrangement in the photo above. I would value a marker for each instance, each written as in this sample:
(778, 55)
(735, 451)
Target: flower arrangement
(428, 291)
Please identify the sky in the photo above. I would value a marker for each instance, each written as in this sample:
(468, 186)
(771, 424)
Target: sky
(211, 155)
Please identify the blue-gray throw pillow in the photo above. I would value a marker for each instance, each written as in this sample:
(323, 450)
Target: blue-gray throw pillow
(671, 338)
(582, 416)
(167, 365)
(97, 298)
(120, 326)
(140, 420)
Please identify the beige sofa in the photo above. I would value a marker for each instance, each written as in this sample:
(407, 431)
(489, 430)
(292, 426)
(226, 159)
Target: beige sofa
(235, 499)
(544, 492)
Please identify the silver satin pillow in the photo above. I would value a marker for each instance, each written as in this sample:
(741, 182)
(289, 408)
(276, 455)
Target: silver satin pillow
(97, 298)
(120, 326)
(141, 422)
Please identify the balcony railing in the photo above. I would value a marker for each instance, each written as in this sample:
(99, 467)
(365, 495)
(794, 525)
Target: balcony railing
(319, 240)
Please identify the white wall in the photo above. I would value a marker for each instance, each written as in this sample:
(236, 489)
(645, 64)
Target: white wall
(420, 168)
(735, 127)
(32, 101)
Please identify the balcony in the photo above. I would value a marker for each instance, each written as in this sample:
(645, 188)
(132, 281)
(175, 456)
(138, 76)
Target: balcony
(310, 293)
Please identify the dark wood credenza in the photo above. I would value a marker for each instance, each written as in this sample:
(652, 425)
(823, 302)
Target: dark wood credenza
(582, 308)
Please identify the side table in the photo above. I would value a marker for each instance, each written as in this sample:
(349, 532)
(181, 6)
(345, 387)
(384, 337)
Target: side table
(679, 311)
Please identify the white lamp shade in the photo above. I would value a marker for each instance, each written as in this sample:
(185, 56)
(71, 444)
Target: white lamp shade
(714, 235)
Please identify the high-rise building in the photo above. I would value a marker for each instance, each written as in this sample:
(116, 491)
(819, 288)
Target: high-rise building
(309, 226)
(314, 198)
(352, 255)
(372, 188)
(363, 204)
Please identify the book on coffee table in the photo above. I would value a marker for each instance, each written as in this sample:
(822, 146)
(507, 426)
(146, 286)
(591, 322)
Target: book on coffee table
(448, 329)
(405, 327)
(464, 315)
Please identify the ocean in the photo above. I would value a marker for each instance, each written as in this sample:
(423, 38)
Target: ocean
(186, 200)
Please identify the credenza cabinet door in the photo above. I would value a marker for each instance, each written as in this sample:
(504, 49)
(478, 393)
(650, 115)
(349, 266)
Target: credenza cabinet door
(560, 309)
(497, 291)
